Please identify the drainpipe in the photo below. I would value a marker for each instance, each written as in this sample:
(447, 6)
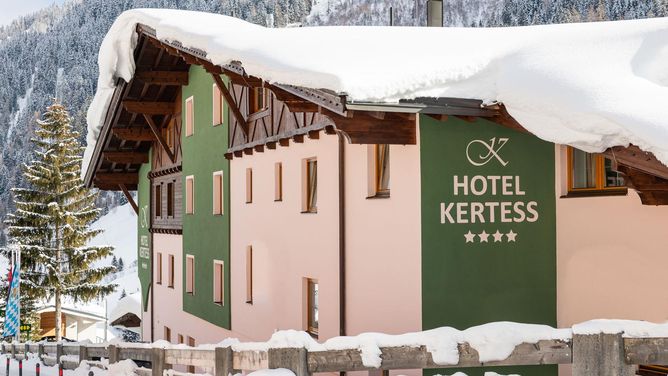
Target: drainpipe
(342, 235)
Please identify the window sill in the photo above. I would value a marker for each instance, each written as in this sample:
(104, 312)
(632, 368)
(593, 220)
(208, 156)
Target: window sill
(279, 200)
(171, 287)
(596, 192)
(250, 302)
(379, 195)
(217, 125)
(312, 334)
(190, 293)
(219, 304)
(309, 212)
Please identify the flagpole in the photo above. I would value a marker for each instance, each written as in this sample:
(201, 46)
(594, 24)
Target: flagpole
(18, 287)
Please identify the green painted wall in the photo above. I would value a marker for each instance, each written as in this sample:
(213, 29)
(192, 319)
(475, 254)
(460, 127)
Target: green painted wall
(205, 236)
(470, 283)
(143, 236)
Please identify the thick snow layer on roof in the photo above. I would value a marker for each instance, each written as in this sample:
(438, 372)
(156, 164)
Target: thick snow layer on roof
(590, 85)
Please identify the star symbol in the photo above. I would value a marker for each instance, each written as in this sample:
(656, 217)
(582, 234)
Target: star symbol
(483, 237)
(469, 237)
(511, 236)
(498, 236)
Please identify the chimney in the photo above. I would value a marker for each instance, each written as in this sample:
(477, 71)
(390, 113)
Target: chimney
(435, 13)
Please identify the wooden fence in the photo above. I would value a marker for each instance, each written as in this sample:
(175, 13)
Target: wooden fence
(591, 355)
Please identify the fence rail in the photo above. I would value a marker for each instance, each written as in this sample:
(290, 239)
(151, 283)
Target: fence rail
(591, 355)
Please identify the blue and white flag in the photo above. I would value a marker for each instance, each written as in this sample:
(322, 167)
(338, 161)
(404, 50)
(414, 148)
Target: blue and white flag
(12, 319)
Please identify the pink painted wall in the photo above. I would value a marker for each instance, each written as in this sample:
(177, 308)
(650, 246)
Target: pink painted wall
(288, 246)
(168, 303)
(611, 256)
(383, 247)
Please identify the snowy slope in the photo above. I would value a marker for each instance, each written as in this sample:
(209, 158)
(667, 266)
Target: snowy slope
(120, 231)
(590, 85)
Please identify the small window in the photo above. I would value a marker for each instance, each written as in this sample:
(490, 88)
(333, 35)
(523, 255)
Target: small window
(312, 306)
(168, 334)
(249, 185)
(278, 181)
(190, 194)
(382, 169)
(170, 274)
(191, 343)
(310, 186)
(158, 269)
(168, 134)
(190, 117)
(592, 174)
(219, 282)
(217, 106)
(158, 200)
(249, 274)
(258, 99)
(218, 193)
(170, 199)
(190, 274)
(180, 337)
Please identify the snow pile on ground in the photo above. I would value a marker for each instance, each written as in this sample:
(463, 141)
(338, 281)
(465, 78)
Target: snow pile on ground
(590, 85)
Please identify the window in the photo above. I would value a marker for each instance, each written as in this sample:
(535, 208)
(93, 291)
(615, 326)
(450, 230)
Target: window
(249, 274)
(190, 274)
(217, 106)
(168, 134)
(168, 334)
(219, 282)
(249, 185)
(191, 341)
(592, 174)
(158, 271)
(218, 193)
(381, 170)
(258, 99)
(170, 199)
(170, 273)
(278, 181)
(310, 186)
(190, 117)
(158, 200)
(180, 338)
(312, 306)
(190, 194)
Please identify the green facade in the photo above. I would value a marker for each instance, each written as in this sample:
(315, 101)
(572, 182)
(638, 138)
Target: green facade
(205, 236)
(481, 181)
(144, 267)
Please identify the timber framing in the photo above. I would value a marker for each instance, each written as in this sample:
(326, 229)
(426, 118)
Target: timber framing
(142, 108)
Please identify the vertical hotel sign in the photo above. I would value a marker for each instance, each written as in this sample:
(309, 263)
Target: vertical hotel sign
(488, 227)
(143, 234)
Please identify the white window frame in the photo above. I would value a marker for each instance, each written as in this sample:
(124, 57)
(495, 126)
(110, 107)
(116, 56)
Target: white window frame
(190, 275)
(221, 286)
(190, 194)
(190, 116)
(221, 194)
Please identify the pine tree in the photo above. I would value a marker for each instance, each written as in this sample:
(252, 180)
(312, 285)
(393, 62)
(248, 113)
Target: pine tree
(52, 218)
(120, 265)
(114, 262)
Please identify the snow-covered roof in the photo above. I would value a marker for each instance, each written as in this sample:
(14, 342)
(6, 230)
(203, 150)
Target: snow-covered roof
(590, 85)
(131, 303)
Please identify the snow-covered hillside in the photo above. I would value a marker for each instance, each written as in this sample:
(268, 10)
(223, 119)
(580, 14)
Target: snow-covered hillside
(120, 231)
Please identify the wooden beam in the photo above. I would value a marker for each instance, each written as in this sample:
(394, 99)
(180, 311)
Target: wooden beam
(248, 151)
(638, 159)
(301, 106)
(158, 136)
(259, 148)
(238, 153)
(365, 129)
(149, 108)
(298, 138)
(116, 178)
(126, 157)
(174, 78)
(314, 135)
(133, 134)
(131, 199)
(231, 104)
(284, 142)
(271, 145)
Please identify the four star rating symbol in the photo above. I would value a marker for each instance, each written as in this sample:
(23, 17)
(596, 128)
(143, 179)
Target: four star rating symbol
(483, 237)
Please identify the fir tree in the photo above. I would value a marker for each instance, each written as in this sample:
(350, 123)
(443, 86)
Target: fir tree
(120, 265)
(114, 262)
(52, 218)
